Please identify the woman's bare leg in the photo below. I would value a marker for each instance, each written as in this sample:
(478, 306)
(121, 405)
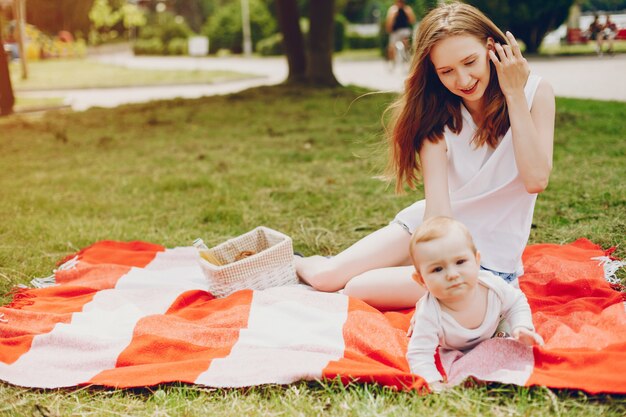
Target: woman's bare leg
(384, 248)
(386, 288)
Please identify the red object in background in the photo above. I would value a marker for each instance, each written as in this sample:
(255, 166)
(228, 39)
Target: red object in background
(575, 35)
(65, 36)
(621, 35)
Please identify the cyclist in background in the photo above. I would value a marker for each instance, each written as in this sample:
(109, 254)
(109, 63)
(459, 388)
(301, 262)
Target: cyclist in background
(399, 23)
(609, 31)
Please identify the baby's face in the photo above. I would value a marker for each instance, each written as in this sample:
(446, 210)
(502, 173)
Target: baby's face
(448, 267)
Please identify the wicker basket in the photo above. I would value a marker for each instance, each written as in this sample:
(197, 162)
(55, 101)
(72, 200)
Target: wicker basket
(271, 266)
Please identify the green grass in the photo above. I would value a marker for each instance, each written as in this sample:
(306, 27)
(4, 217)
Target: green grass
(581, 49)
(619, 47)
(307, 399)
(301, 161)
(85, 73)
(359, 54)
(25, 103)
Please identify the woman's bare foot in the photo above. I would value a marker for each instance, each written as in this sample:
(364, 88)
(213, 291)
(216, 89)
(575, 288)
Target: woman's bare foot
(317, 272)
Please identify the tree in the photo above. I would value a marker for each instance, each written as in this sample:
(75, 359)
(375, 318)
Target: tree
(7, 99)
(293, 41)
(53, 16)
(320, 51)
(371, 11)
(529, 20)
(132, 17)
(224, 27)
(314, 67)
(104, 17)
(191, 10)
(604, 5)
(430, 4)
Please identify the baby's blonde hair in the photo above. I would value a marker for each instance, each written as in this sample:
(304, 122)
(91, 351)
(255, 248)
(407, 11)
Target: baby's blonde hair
(435, 228)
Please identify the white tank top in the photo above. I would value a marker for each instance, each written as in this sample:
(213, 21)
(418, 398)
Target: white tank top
(487, 194)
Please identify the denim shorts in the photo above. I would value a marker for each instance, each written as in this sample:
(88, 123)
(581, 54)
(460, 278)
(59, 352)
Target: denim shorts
(507, 276)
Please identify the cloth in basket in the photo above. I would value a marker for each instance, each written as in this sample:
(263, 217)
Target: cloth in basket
(271, 265)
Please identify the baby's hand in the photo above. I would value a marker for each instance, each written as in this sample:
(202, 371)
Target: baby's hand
(527, 337)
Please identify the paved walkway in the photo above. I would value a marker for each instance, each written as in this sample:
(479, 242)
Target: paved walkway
(583, 77)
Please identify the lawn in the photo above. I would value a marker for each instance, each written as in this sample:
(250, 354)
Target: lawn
(301, 161)
(619, 47)
(588, 48)
(86, 73)
(28, 103)
(65, 74)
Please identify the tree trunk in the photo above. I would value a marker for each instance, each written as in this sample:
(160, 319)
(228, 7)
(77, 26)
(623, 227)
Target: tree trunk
(532, 38)
(7, 99)
(293, 41)
(191, 10)
(320, 52)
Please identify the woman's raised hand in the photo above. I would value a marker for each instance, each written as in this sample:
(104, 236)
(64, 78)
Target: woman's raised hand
(511, 66)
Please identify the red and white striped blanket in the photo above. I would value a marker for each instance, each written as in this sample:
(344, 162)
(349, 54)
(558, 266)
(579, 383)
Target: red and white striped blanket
(138, 314)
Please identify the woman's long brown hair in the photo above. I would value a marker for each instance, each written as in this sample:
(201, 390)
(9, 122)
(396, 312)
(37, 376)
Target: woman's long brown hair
(426, 107)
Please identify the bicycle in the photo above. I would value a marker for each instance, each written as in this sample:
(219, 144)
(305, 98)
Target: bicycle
(402, 53)
(401, 58)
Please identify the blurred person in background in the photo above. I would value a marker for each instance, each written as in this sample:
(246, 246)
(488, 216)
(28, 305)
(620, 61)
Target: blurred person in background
(609, 30)
(398, 24)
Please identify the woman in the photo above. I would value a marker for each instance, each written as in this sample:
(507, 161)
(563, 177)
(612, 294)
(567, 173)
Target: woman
(479, 129)
(398, 24)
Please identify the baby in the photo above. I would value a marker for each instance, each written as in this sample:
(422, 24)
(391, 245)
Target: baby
(463, 305)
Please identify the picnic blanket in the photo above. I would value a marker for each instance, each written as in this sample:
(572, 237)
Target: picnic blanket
(131, 314)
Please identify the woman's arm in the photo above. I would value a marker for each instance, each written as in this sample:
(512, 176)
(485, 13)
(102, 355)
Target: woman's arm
(391, 16)
(532, 130)
(533, 136)
(409, 13)
(434, 161)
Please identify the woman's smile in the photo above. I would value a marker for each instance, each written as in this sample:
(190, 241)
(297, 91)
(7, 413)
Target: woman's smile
(470, 90)
(462, 66)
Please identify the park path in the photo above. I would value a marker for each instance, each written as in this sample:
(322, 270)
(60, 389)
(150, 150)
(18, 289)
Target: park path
(593, 77)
